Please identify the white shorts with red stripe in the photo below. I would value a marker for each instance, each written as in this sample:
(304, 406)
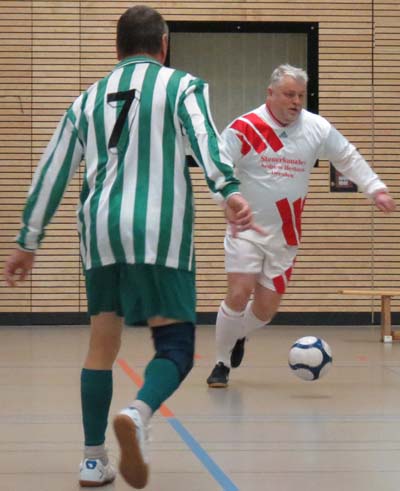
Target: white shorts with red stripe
(271, 259)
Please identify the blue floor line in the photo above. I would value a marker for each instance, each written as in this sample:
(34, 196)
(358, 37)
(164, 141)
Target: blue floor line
(202, 455)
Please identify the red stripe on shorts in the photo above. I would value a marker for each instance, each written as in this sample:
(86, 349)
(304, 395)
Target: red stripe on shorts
(279, 284)
(288, 273)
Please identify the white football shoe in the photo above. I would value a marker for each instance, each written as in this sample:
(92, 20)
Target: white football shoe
(132, 438)
(93, 473)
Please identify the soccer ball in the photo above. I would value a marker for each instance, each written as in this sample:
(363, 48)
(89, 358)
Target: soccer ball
(310, 358)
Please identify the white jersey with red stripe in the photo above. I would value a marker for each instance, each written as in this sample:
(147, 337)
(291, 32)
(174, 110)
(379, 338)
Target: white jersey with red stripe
(274, 162)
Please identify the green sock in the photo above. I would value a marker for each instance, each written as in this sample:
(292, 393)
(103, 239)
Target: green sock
(96, 394)
(161, 379)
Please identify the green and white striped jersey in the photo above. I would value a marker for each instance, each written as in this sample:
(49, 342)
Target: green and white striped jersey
(133, 129)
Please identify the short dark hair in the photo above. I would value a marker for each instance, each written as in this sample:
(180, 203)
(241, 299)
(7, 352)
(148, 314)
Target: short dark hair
(140, 30)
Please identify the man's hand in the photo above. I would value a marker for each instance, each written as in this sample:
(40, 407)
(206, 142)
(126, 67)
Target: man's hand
(240, 216)
(17, 266)
(384, 202)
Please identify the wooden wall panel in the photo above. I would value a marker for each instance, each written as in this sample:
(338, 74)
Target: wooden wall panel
(55, 83)
(386, 138)
(15, 134)
(331, 218)
(52, 50)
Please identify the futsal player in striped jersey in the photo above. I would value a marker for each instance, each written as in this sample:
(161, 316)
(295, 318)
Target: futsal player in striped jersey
(135, 220)
(274, 148)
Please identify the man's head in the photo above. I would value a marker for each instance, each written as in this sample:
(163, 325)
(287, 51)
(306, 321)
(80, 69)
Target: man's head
(142, 30)
(286, 93)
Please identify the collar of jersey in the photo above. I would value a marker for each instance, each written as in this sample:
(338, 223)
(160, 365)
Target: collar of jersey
(270, 117)
(136, 59)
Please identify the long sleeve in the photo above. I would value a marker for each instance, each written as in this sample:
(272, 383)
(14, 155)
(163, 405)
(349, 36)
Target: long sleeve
(347, 160)
(231, 148)
(55, 170)
(205, 142)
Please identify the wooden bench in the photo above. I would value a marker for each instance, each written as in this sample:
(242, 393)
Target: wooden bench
(387, 333)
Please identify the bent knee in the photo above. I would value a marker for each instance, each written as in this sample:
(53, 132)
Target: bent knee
(175, 342)
(238, 297)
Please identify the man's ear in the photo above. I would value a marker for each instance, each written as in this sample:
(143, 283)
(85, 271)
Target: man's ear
(119, 57)
(164, 47)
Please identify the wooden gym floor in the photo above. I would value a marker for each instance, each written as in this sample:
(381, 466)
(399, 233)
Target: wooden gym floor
(268, 431)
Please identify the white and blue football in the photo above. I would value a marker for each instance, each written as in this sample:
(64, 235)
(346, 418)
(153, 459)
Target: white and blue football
(310, 358)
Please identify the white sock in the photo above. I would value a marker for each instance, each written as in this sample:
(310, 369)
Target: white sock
(144, 409)
(229, 329)
(94, 452)
(250, 321)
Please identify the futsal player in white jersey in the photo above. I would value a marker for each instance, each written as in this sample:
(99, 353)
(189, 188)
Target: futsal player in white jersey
(274, 148)
(135, 221)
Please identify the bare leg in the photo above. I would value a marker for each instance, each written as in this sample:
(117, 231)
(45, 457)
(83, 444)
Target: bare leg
(261, 310)
(105, 341)
(240, 287)
(266, 302)
(159, 321)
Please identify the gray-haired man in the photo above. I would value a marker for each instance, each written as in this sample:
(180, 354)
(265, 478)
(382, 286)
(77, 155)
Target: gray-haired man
(274, 148)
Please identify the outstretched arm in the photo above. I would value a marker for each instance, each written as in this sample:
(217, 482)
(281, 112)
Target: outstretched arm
(352, 165)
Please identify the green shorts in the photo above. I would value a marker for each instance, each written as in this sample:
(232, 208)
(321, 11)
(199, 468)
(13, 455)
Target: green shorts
(138, 292)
